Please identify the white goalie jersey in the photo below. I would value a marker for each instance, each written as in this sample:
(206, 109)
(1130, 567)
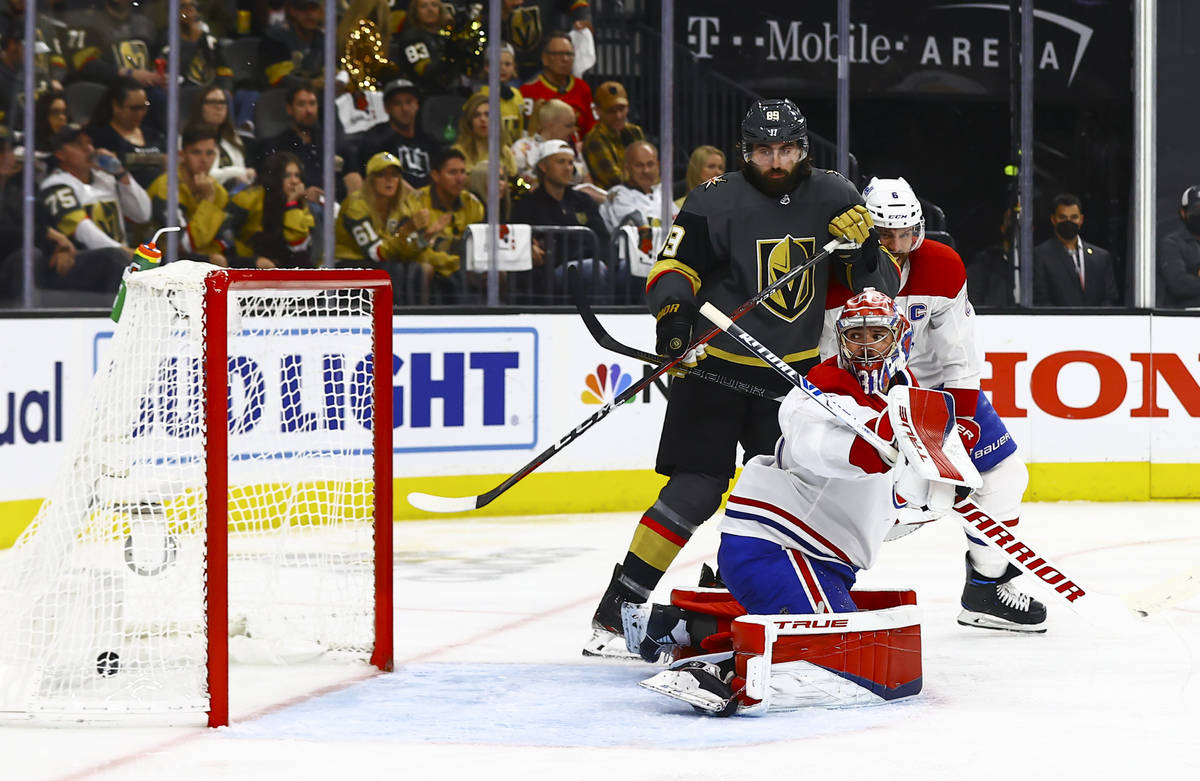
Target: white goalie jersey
(824, 491)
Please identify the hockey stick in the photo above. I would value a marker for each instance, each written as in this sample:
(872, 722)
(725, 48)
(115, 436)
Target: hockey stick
(608, 342)
(454, 504)
(998, 536)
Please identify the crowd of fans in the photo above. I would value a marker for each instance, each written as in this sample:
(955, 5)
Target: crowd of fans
(411, 156)
(251, 154)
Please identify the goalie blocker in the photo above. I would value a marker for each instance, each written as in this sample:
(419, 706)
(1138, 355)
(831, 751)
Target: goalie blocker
(754, 664)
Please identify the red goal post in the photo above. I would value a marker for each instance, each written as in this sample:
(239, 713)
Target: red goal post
(216, 366)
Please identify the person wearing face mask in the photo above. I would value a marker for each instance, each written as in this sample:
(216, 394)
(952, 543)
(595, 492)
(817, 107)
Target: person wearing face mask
(1068, 271)
(1179, 256)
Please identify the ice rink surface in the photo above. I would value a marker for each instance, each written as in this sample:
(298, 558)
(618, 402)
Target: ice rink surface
(489, 682)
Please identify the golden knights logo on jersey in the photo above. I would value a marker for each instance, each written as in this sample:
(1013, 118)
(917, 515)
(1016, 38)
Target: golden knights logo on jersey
(525, 28)
(777, 257)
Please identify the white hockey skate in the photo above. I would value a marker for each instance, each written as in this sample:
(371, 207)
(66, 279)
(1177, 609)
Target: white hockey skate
(700, 684)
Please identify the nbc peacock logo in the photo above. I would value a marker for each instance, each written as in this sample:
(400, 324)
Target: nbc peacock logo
(605, 384)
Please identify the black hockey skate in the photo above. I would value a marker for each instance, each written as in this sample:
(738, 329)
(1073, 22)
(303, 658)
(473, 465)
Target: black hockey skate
(995, 603)
(607, 639)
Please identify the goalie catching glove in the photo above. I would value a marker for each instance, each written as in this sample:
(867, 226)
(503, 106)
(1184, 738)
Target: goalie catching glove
(673, 331)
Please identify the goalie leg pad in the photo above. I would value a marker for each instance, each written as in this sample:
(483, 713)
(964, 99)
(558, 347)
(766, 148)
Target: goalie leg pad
(792, 661)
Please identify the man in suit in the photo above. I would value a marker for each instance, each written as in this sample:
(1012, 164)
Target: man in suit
(1068, 271)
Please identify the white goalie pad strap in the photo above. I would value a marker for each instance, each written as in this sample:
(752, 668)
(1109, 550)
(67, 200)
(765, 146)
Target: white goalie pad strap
(923, 421)
(829, 623)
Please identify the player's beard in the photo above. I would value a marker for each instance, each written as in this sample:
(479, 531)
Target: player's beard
(771, 186)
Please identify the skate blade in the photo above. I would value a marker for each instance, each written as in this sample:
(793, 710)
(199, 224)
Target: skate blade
(984, 621)
(683, 687)
(608, 645)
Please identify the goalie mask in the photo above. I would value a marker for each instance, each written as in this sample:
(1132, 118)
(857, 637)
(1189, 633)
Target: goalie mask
(895, 206)
(874, 340)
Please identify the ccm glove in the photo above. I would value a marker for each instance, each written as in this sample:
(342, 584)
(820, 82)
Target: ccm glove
(673, 330)
(852, 224)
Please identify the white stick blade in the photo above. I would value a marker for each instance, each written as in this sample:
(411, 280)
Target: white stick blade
(441, 504)
(1164, 594)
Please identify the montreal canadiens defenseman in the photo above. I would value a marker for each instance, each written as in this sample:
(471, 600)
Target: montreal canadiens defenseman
(933, 296)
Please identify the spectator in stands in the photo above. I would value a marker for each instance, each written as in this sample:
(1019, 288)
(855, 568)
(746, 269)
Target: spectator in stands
(991, 278)
(401, 135)
(706, 162)
(200, 59)
(1179, 256)
(50, 115)
(445, 208)
(87, 197)
(12, 57)
(557, 202)
(473, 139)
(1067, 271)
(202, 199)
(304, 140)
(604, 146)
(373, 232)
(270, 225)
(50, 66)
(419, 49)
(552, 120)
(639, 200)
(295, 48)
(115, 42)
(512, 102)
(556, 81)
(118, 125)
(229, 168)
(524, 24)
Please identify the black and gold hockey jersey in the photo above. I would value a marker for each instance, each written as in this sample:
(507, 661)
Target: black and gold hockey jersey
(730, 240)
(243, 228)
(102, 46)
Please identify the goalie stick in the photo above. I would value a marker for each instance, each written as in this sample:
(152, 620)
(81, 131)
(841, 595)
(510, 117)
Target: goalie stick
(608, 342)
(1092, 606)
(453, 504)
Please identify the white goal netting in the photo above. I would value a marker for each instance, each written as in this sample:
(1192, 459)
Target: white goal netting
(103, 601)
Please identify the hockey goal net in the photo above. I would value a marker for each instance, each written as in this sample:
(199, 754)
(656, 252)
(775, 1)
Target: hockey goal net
(230, 496)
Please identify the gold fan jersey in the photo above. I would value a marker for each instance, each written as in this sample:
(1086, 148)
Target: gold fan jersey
(92, 213)
(245, 221)
(731, 240)
(361, 234)
(201, 221)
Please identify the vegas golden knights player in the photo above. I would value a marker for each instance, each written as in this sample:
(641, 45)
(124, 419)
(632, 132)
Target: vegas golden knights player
(736, 234)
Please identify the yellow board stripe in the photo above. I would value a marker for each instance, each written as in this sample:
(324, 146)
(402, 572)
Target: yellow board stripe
(634, 490)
